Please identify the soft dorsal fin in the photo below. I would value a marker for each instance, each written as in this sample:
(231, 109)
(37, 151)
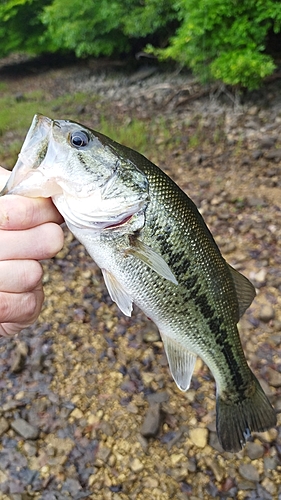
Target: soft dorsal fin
(117, 293)
(181, 362)
(152, 259)
(245, 291)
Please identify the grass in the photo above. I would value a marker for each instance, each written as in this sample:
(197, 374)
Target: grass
(16, 114)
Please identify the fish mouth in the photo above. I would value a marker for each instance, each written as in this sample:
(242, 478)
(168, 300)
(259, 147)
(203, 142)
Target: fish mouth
(120, 223)
(26, 178)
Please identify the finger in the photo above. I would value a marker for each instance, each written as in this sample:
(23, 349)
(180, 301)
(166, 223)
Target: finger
(17, 276)
(20, 212)
(21, 308)
(41, 242)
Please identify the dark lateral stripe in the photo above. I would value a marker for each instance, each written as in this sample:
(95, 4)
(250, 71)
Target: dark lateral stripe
(221, 337)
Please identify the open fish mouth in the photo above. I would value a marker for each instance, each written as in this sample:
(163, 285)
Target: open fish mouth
(86, 193)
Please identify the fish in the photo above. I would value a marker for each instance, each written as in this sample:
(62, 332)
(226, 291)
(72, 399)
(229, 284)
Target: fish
(155, 251)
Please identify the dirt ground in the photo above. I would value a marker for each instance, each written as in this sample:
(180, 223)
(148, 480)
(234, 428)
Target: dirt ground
(88, 406)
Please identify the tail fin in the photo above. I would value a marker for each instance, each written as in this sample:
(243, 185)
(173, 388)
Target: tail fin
(238, 417)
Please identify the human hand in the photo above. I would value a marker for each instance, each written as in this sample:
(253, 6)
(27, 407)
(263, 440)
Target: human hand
(29, 232)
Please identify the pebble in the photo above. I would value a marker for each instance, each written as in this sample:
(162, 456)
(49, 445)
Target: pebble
(76, 413)
(274, 377)
(152, 420)
(136, 465)
(199, 436)
(4, 426)
(217, 470)
(19, 357)
(254, 450)
(267, 142)
(24, 429)
(249, 472)
(269, 486)
(266, 313)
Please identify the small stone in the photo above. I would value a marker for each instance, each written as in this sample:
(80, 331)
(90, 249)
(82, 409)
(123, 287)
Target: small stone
(76, 413)
(253, 110)
(267, 142)
(245, 485)
(249, 472)
(103, 453)
(274, 377)
(4, 426)
(269, 486)
(152, 419)
(151, 334)
(176, 458)
(254, 450)
(217, 470)
(24, 429)
(19, 357)
(136, 465)
(150, 482)
(199, 436)
(259, 278)
(266, 313)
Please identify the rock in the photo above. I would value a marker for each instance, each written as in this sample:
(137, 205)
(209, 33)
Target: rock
(158, 397)
(254, 450)
(76, 413)
(199, 436)
(274, 155)
(249, 472)
(267, 142)
(152, 419)
(24, 429)
(217, 470)
(266, 313)
(274, 377)
(136, 465)
(258, 278)
(269, 486)
(102, 454)
(19, 357)
(4, 426)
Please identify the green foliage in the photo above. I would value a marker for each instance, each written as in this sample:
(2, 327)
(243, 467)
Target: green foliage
(225, 39)
(86, 27)
(217, 39)
(21, 27)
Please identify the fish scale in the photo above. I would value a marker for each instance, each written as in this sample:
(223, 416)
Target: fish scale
(155, 251)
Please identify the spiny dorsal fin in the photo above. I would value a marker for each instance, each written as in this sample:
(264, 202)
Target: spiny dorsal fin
(181, 362)
(245, 291)
(117, 293)
(152, 259)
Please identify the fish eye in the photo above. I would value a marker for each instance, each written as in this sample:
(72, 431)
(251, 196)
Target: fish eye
(79, 139)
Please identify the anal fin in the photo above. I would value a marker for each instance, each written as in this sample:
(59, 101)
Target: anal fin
(181, 362)
(117, 293)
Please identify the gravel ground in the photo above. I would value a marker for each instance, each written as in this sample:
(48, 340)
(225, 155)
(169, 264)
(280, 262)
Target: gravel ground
(88, 406)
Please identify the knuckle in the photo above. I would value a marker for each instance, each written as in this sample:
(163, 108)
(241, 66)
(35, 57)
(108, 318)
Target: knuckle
(54, 241)
(30, 305)
(31, 274)
(5, 307)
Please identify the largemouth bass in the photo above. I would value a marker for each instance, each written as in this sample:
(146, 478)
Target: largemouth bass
(155, 250)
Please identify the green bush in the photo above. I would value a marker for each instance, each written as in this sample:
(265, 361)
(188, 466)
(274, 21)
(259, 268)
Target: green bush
(218, 39)
(225, 39)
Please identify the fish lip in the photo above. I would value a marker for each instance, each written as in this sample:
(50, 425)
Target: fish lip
(116, 225)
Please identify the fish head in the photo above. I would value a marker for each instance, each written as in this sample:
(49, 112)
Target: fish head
(90, 182)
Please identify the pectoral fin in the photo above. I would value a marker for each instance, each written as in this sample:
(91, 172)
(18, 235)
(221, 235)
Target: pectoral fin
(245, 291)
(152, 259)
(117, 293)
(181, 362)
